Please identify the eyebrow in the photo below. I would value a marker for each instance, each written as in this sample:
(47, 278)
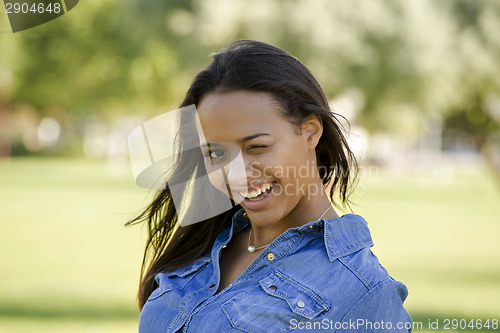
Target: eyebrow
(210, 144)
(251, 137)
(246, 138)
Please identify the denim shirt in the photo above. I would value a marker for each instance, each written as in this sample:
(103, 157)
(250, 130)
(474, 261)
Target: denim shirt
(319, 277)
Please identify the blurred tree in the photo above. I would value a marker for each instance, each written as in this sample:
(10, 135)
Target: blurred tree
(408, 58)
(78, 62)
(6, 56)
(431, 55)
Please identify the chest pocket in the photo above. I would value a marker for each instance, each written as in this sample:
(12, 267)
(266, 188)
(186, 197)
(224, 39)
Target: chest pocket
(274, 305)
(178, 279)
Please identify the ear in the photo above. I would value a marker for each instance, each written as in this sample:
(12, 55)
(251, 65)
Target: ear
(312, 129)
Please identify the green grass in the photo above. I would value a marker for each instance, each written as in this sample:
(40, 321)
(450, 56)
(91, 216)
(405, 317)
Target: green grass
(69, 265)
(67, 260)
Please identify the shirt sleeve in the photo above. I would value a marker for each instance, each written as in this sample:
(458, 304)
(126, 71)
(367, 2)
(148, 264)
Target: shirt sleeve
(379, 310)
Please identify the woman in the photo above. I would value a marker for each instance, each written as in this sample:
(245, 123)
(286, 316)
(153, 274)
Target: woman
(279, 259)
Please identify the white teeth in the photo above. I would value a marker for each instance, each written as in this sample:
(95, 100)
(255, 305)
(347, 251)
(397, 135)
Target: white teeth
(257, 191)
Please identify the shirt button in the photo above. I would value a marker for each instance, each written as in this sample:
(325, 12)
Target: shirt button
(310, 227)
(270, 256)
(211, 286)
(300, 304)
(224, 246)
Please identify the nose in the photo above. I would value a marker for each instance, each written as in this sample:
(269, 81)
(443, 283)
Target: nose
(240, 170)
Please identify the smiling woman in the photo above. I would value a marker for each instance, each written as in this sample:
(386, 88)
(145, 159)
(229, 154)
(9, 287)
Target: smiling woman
(280, 258)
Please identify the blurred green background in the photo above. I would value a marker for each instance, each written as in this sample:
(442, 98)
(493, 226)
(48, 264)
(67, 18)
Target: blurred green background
(417, 80)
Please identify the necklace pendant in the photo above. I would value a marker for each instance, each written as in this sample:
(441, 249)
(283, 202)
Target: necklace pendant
(251, 248)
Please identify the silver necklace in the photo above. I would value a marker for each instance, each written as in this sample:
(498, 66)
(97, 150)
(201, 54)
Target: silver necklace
(252, 248)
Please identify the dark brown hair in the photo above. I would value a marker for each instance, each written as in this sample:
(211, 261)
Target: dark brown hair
(251, 66)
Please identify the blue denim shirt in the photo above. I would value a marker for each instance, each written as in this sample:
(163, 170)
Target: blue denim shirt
(319, 277)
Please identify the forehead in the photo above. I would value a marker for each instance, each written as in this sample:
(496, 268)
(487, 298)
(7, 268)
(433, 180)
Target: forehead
(234, 115)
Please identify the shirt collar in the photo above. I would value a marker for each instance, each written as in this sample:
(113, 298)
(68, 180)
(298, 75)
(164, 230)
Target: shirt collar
(343, 235)
(238, 223)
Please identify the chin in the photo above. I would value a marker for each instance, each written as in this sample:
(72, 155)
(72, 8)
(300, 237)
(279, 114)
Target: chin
(264, 218)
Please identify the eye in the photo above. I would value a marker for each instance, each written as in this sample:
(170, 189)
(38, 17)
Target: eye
(215, 154)
(256, 147)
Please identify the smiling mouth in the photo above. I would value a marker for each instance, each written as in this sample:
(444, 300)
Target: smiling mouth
(259, 193)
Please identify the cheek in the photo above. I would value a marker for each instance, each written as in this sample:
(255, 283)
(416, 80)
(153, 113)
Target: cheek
(223, 176)
(292, 170)
(284, 165)
(216, 179)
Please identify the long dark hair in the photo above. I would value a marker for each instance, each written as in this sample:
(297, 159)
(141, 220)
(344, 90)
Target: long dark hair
(252, 66)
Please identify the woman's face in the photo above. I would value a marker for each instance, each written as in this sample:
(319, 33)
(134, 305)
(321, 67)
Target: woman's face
(275, 172)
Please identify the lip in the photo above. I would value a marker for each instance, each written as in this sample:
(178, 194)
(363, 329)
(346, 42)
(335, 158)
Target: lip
(260, 204)
(251, 188)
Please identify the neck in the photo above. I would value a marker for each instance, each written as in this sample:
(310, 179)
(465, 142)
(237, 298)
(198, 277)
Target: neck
(305, 211)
